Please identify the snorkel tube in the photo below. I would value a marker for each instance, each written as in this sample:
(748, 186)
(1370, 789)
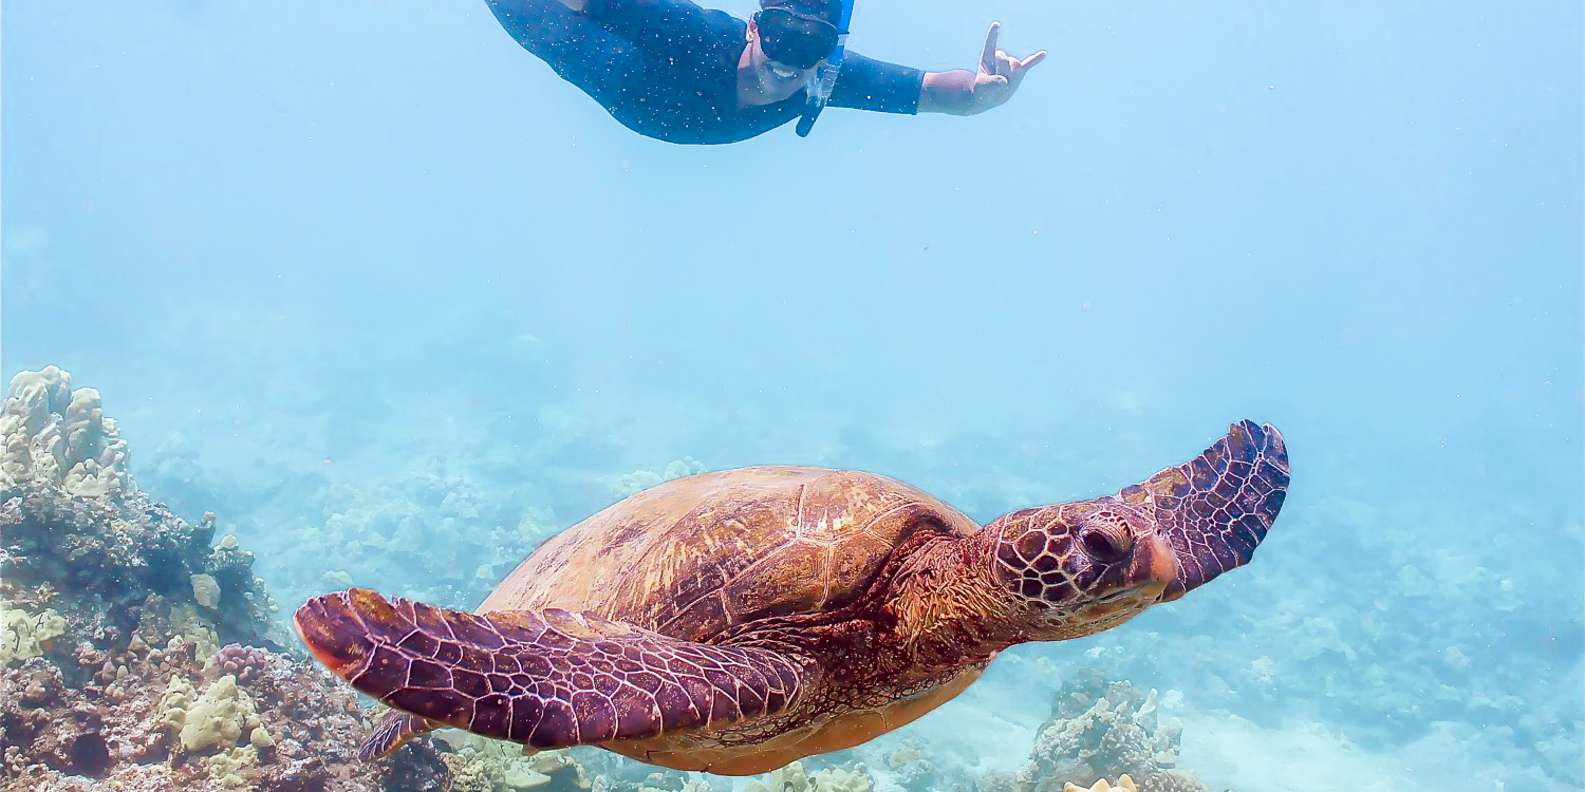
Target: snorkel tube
(825, 77)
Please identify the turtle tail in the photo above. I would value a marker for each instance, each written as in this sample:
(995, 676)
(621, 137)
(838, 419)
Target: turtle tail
(392, 731)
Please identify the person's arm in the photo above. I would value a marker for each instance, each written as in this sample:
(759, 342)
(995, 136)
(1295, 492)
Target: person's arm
(869, 84)
(964, 92)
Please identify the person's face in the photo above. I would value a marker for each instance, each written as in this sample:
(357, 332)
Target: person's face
(776, 77)
(801, 45)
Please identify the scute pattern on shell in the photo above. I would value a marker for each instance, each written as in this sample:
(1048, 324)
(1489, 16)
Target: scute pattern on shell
(697, 555)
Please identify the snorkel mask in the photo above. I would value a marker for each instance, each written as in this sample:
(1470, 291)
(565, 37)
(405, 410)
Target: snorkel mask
(796, 41)
(794, 36)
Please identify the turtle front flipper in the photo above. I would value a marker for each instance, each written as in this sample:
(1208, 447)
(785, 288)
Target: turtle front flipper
(1216, 508)
(549, 678)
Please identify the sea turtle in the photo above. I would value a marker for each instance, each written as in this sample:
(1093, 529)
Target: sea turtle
(733, 622)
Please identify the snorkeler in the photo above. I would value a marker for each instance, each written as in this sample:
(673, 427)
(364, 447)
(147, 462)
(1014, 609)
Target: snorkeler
(677, 72)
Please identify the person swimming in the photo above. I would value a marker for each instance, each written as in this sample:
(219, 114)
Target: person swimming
(674, 71)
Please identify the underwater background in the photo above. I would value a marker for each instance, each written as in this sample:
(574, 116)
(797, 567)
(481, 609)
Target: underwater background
(372, 286)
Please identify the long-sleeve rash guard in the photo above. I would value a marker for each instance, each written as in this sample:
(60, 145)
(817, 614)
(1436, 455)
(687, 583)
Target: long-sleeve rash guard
(668, 68)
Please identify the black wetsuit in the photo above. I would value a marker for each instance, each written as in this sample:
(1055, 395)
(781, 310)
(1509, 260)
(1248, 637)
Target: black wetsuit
(668, 68)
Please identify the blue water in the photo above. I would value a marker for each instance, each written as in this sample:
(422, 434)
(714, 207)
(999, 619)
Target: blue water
(371, 283)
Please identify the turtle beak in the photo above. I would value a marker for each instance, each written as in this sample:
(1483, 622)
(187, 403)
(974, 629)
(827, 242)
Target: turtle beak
(1214, 510)
(1156, 564)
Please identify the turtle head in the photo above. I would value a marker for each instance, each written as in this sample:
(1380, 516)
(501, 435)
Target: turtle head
(1083, 567)
(1079, 568)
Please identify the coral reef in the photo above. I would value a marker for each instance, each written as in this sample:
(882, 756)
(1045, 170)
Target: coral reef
(55, 435)
(794, 778)
(433, 535)
(106, 559)
(481, 765)
(1101, 729)
(114, 609)
(26, 635)
(217, 718)
(911, 767)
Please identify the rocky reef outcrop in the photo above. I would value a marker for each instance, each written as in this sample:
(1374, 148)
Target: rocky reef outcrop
(137, 652)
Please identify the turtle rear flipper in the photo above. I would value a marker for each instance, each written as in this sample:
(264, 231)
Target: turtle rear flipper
(549, 679)
(393, 731)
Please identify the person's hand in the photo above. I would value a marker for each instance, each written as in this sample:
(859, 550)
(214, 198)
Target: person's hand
(967, 93)
(999, 73)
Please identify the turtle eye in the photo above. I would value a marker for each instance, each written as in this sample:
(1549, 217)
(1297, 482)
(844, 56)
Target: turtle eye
(1106, 540)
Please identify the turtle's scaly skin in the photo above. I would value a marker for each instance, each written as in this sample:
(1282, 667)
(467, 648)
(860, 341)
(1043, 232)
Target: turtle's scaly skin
(736, 621)
(514, 669)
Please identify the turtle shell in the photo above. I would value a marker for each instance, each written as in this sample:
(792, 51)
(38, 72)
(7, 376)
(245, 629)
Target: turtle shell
(694, 556)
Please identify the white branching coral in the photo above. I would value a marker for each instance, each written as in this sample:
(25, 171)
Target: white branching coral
(53, 434)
